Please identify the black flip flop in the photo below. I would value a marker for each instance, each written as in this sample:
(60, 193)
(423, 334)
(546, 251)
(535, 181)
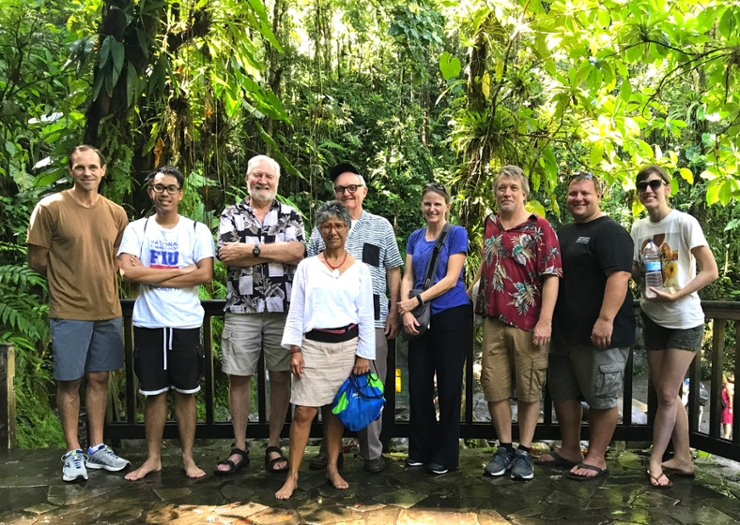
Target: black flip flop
(270, 463)
(557, 461)
(600, 473)
(233, 467)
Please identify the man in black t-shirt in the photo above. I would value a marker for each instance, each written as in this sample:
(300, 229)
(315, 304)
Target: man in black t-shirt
(593, 329)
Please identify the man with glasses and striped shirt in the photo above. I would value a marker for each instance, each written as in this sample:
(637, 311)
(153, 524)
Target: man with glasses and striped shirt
(371, 240)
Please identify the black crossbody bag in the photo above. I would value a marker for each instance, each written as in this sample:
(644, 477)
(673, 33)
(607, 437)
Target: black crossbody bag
(423, 312)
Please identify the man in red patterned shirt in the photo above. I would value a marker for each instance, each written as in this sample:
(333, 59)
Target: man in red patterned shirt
(519, 273)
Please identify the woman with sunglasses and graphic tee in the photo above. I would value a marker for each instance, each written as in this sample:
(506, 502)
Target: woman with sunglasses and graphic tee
(441, 349)
(673, 321)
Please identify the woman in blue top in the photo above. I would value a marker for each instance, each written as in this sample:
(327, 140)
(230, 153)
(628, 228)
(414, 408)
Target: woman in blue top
(441, 350)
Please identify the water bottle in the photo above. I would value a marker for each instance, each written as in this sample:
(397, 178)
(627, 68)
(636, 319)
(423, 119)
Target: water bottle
(653, 271)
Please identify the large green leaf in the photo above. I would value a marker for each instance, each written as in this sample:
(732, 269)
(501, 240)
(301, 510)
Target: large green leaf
(449, 66)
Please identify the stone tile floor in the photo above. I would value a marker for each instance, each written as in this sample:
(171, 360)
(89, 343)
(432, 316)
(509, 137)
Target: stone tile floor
(32, 492)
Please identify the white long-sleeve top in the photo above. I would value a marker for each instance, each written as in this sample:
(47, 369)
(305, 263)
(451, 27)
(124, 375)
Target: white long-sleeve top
(319, 300)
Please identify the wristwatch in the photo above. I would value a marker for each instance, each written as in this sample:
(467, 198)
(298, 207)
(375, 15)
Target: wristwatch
(256, 251)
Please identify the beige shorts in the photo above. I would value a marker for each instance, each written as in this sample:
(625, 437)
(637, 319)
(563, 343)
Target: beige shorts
(508, 351)
(325, 367)
(246, 335)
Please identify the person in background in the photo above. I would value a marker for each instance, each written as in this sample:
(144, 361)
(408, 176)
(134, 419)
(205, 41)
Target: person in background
(330, 333)
(169, 256)
(728, 401)
(73, 237)
(441, 350)
(673, 321)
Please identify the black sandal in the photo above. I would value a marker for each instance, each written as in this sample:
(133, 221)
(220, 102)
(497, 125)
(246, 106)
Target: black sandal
(233, 467)
(270, 463)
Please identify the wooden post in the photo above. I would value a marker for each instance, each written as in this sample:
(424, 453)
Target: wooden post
(7, 396)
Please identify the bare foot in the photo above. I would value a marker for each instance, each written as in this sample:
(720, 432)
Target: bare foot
(335, 479)
(682, 469)
(288, 487)
(191, 469)
(149, 466)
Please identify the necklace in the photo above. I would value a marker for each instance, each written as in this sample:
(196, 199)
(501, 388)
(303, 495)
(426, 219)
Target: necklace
(335, 269)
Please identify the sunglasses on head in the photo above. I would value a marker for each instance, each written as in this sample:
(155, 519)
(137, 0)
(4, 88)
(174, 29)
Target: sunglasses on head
(582, 175)
(654, 184)
(435, 186)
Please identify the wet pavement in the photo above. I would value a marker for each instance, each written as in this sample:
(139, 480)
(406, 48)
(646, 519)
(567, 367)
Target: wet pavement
(32, 492)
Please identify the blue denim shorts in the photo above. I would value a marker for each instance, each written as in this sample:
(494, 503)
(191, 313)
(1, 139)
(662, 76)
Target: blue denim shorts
(660, 338)
(86, 346)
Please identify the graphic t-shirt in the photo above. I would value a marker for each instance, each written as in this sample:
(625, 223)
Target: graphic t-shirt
(676, 235)
(157, 247)
(589, 250)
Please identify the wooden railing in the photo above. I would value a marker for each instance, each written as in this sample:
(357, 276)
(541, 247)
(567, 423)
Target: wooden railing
(123, 424)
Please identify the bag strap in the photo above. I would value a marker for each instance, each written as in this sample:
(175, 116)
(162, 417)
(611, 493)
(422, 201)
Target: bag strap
(432, 264)
(355, 382)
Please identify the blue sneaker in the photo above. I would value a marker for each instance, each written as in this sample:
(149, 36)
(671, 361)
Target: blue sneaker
(522, 468)
(74, 465)
(500, 463)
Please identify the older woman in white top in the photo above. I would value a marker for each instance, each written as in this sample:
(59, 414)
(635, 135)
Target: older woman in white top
(330, 332)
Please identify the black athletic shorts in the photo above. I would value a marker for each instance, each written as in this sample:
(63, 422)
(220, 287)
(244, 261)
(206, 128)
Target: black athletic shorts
(167, 358)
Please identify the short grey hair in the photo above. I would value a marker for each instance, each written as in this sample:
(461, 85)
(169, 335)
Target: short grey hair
(514, 172)
(333, 209)
(259, 158)
(360, 178)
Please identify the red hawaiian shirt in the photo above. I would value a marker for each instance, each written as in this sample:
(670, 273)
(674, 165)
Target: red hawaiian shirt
(514, 262)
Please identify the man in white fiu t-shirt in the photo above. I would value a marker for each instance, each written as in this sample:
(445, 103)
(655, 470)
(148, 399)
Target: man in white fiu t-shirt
(169, 256)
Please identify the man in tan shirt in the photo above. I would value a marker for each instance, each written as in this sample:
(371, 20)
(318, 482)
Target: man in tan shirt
(72, 240)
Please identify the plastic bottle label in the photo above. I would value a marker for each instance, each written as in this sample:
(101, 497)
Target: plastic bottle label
(652, 266)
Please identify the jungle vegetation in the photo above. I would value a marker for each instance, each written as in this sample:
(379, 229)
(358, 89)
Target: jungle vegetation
(409, 91)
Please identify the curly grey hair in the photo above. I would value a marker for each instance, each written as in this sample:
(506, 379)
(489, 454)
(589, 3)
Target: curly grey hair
(333, 209)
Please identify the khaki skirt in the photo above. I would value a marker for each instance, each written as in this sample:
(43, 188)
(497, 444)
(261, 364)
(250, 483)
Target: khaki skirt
(325, 367)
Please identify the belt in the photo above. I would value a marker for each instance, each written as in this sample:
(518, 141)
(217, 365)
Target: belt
(333, 335)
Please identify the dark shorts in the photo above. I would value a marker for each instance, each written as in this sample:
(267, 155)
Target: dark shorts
(660, 338)
(168, 358)
(595, 375)
(86, 346)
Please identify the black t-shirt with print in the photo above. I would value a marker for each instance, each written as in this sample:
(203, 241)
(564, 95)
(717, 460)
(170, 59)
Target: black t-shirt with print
(589, 250)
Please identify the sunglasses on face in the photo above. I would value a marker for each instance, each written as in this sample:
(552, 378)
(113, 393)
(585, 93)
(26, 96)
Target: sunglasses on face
(352, 188)
(159, 188)
(654, 184)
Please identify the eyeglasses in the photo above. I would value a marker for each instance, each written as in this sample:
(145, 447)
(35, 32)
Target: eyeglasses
(352, 188)
(159, 188)
(654, 184)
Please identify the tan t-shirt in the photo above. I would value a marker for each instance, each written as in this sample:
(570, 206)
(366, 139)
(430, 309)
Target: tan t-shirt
(82, 245)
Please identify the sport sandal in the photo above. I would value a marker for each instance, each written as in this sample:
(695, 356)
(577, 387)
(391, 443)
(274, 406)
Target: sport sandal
(233, 467)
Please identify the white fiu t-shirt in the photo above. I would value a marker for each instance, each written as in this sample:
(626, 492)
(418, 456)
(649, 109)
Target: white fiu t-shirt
(676, 235)
(185, 244)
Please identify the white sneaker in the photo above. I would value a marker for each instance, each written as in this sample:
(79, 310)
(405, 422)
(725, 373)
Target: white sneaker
(74, 466)
(107, 459)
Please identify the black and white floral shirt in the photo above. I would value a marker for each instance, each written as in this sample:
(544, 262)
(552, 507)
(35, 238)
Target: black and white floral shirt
(265, 287)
